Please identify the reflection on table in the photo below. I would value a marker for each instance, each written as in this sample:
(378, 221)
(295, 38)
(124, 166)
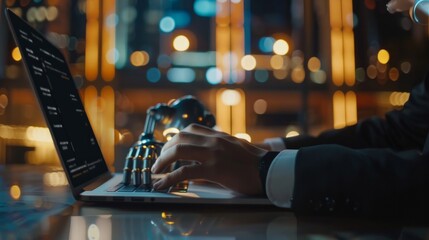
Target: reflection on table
(35, 203)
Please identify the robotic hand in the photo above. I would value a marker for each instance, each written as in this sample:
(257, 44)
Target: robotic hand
(174, 117)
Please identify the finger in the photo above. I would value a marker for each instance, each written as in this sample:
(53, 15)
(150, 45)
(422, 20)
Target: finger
(197, 128)
(180, 152)
(184, 138)
(183, 173)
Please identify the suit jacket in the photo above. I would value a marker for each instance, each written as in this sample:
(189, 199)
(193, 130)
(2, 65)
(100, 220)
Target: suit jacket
(376, 167)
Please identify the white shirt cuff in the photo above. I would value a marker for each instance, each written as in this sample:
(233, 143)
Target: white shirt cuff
(276, 144)
(281, 179)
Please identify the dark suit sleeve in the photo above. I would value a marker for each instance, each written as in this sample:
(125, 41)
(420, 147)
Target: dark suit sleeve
(373, 168)
(332, 179)
(400, 129)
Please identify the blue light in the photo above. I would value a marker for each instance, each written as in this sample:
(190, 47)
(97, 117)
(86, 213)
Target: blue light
(266, 44)
(181, 75)
(261, 76)
(153, 75)
(205, 8)
(167, 24)
(214, 75)
(181, 18)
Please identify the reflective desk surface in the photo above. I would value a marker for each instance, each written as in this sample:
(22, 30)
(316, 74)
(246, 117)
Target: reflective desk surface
(35, 203)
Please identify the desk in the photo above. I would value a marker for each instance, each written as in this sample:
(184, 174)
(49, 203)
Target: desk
(36, 204)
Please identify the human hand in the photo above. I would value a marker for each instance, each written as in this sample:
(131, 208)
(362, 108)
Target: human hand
(399, 5)
(220, 157)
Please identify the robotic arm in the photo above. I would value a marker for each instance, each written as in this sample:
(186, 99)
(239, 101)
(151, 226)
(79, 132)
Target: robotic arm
(175, 117)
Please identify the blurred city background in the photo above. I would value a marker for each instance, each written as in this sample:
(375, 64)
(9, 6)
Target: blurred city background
(264, 68)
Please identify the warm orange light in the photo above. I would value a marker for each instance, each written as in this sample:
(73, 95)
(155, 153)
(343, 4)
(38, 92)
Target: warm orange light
(181, 43)
(394, 74)
(139, 58)
(292, 133)
(280, 74)
(383, 56)
(337, 57)
(313, 64)
(16, 54)
(351, 108)
(371, 71)
(108, 50)
(339, 109)
(107, 121)
(92, 37)
(349, 55)
(276, 62)
(298, 75)
(15, 192)
(398, 99)
(230, 97)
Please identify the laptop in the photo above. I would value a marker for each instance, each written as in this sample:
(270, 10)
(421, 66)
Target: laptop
(74, 138)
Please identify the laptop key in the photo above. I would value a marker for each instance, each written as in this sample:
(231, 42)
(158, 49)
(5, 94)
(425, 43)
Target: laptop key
(165, 190)
(115, 188)
(127, 188)
(143, 188)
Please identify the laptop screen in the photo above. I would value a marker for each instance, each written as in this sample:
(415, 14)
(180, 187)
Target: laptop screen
(60, 102)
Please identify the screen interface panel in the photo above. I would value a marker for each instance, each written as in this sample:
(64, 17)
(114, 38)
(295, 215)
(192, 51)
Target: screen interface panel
(59, 98)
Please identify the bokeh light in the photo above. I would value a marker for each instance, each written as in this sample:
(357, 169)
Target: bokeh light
(276, 62)
(261, 75)
(406, 67)
(248, 62)
(266, 44)
(181, 75)
(360, 74)
(298, 75)
(205, 8)
(4, 101)
(260, 106)
(16, 54)
(398, 99)
(230, 97)
(280, 74)
(314, 64)
(214, 75)
(280, 47)
(153, 75)
(394, 74)
(371, 71)
(383, 56)
(318, 77)
(15, 192)
(181, 43)
(139, 58)
(167, 24)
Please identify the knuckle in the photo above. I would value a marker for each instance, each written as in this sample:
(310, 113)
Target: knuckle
(178, 149)
(193, 126)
